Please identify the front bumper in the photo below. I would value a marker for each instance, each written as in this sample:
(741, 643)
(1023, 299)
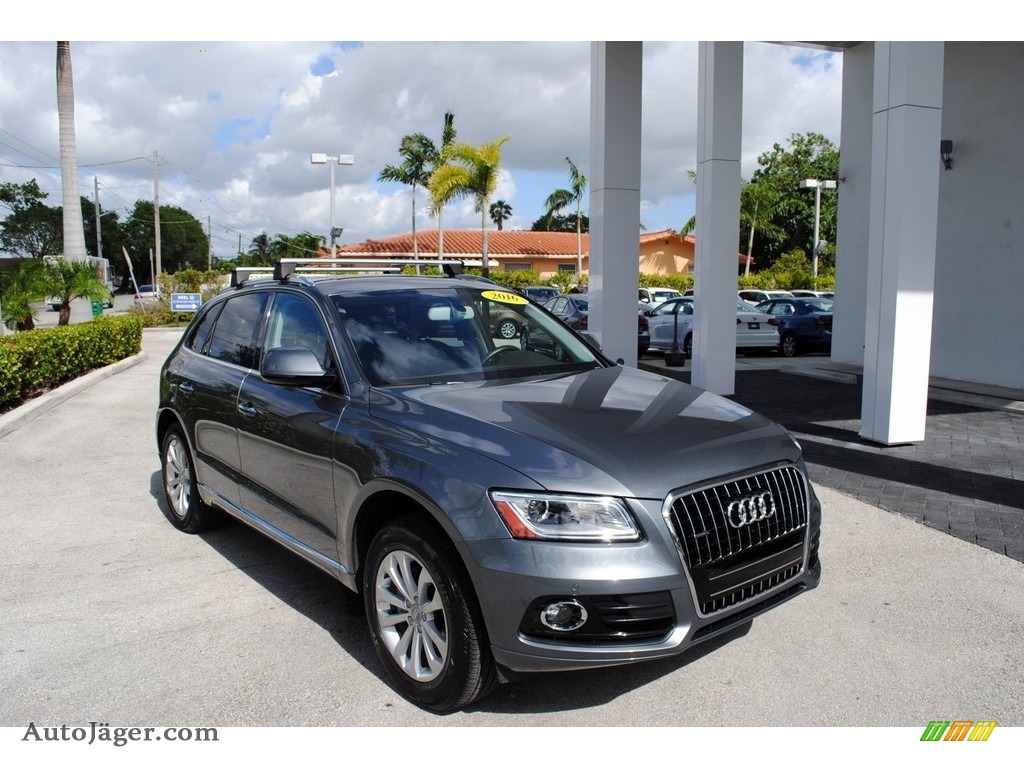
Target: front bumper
(640, 599)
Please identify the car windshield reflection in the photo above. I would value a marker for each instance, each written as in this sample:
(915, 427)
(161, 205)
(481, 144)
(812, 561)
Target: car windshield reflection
(416, 337)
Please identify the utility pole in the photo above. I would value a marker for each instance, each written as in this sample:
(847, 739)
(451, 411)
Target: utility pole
(209, 242)
(96, 199)
(156, 215)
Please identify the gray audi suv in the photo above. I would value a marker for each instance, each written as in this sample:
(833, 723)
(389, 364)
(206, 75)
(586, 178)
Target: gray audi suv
(500, 506)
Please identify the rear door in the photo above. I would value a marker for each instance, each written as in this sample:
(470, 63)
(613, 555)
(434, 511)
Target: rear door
(221, 350)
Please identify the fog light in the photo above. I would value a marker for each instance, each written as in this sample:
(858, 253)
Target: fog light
(564, 616)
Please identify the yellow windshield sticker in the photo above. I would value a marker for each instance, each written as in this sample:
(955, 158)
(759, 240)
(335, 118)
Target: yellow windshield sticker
(504, 297)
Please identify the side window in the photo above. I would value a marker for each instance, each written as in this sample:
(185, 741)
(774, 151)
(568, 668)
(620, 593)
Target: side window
(234, 335)
(198, 339)
(294, 322)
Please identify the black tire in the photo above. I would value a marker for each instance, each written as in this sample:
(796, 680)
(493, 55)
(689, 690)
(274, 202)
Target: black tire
(433, 647)
(788, 345)
(185, 509)
(688, 346)
(508, 329)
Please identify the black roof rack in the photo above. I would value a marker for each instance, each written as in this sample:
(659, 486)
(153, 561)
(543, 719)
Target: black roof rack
(285, 268)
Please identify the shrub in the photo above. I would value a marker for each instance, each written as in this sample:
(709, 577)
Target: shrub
(34, 361)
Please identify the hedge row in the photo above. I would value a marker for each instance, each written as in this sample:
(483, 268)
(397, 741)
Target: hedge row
(35, 361)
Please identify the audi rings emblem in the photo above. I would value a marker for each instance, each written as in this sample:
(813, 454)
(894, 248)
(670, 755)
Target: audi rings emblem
(750, 509)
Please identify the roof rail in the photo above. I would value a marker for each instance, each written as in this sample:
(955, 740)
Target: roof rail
(285, 267)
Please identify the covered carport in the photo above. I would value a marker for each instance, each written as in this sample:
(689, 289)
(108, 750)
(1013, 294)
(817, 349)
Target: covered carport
(903, 210)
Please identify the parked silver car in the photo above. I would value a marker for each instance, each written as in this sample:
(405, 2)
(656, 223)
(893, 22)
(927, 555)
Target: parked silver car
(499, 509)
(753, 330)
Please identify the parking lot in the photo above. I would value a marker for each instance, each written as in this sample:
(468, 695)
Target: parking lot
(113, 615)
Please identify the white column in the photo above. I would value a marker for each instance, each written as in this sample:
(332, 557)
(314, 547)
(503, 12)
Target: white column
(616, 85)
(719, 131)
(854, 206)
(906, 127)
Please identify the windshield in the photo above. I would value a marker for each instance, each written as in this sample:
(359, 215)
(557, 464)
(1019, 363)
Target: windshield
(660, 296)
(451, 334)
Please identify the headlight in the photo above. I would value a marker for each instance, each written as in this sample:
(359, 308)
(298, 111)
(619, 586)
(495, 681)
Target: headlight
(565, 518)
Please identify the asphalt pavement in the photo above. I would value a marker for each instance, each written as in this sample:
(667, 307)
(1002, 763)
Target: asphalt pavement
(110, 614)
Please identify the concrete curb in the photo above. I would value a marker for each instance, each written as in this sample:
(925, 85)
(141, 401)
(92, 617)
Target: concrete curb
(24, 414)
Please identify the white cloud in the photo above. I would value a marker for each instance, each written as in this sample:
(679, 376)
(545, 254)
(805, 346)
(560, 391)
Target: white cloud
(237, 121)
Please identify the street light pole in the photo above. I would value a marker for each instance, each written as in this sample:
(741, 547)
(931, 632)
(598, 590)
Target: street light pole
(817, 185)
(319, 158)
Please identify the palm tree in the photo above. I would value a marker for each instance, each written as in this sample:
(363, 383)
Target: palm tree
(563, 198)
(66, 280)
(74, 230)
(417, 152)
(448, 134)
(259, 251)
(22, 286)
(760, 203)
(469, 171)
(500, 210)
(691, 224)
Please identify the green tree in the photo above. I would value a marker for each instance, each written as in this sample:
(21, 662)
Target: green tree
(500, 211)
(807, 156)
(19, 289)
(110, 229)
(69, 280)
(304, 245)
(561, 199)
(469, 171)
(560, 223)
(418, 153)
(32, 228)
(183, 242)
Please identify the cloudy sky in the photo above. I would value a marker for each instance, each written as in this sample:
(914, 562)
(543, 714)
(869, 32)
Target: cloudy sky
(234, 123)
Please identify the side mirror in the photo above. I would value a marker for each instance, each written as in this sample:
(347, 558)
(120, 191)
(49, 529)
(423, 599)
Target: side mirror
(591, 340)
(296, 366)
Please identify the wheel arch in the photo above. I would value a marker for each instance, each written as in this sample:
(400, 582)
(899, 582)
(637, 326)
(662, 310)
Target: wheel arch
(383, 507)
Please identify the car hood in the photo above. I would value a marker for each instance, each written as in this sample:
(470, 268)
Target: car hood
(616, 430)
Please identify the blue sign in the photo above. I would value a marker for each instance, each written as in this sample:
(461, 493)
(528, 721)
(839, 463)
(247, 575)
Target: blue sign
(186, 302)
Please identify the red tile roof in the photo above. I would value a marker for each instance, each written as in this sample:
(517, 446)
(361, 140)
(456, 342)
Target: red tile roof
(500, 243)
(468, 242)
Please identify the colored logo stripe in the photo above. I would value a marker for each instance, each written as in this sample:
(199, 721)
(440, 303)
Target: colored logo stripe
(958, 730)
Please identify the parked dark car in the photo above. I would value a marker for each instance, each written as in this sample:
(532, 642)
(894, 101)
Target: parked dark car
(539, 293)
(499, 509)
(802, 323)
(574, 311)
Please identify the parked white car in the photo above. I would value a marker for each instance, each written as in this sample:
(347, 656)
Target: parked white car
(755, 297)
(752, 328)
(652, 297)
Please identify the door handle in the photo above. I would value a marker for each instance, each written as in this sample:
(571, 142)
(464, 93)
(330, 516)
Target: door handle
(185, 387)
(247, 409)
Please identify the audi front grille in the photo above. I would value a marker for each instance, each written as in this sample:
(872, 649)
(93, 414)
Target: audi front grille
(741, 538)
